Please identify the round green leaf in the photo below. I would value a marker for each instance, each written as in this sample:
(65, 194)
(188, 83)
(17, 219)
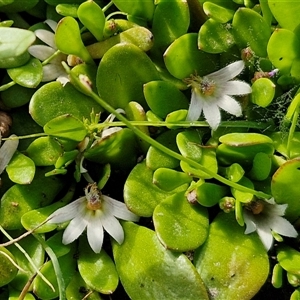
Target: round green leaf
(183, 58)
(242, 147)
(68, 39)
(149, 271)
(168, 179)
(233, 265)
(251, 30)
(217, 12)
(282, 49)
(44, 151)
(156, 158)
(66, 126)
(53, 100)
(138, 8)
(97, 269)
(117, 149)
(28, 75)
(21, 169)
(215, 37)
(163, 98)
(289, 259)
(179, 225)
(88, 12)
(285, 187)
(286, 13)
(140, 179)
(20, 199)
(122, 72)
(263, 92)
(14, 41)
(171, 20)
(8, 270)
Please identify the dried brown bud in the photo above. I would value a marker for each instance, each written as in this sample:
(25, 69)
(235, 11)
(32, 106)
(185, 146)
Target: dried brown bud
(5, 123)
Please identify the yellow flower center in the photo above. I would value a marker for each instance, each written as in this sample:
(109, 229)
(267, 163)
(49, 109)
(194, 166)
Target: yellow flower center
(93, 197)
(202, 85)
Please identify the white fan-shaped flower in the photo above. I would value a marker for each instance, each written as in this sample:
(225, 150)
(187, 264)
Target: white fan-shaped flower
(214, 91)
(268, 218)
(93, 212)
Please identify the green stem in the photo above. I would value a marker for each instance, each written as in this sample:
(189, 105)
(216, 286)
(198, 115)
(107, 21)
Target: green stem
(46, 61)
(162, 148)
(28, 258)
(227, 124)
(23, 137)
(107, 6)
(292, 130)
(115, 13)
(56, 266)
(6, 86)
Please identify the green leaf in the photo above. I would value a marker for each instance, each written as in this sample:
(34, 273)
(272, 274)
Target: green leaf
(20, 199)
(156, 273)
(68, 39)
(14, 41)
(44, 151)
(282, 49)
(66, 126)
(215, 37)
(233, 265)
(251, 30)
(21, 169)
(8, 269)
(28, 75)
(183, 58)
(143, 9)
(53, 100)
(157, 95)
(286, 13)
(263, 92)
(126, 68)
(285, 187)
(179, 225)
(92, 17)
(140, 179)
(97, 269)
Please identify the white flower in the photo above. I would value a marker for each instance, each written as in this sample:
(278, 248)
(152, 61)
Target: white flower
(265, 217)
(94, 212)
(213, 91)
(53, 69)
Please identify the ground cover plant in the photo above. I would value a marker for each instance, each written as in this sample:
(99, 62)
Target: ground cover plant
(149, 149)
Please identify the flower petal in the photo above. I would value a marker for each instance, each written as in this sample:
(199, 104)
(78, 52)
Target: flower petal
(265, 236)
(283, 227)
(95, 233)
(51, 72)
(52, 24)
(195, 108)
(227, 73)
(74, 229)
(212, 114)
(46, 36)
(112, 226)
(230, 105)
(118, 209)
(68, 212)
(250, 223)
(236, 87)
(41, 52)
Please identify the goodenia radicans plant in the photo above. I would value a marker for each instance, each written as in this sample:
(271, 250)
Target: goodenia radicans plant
(108, 98)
